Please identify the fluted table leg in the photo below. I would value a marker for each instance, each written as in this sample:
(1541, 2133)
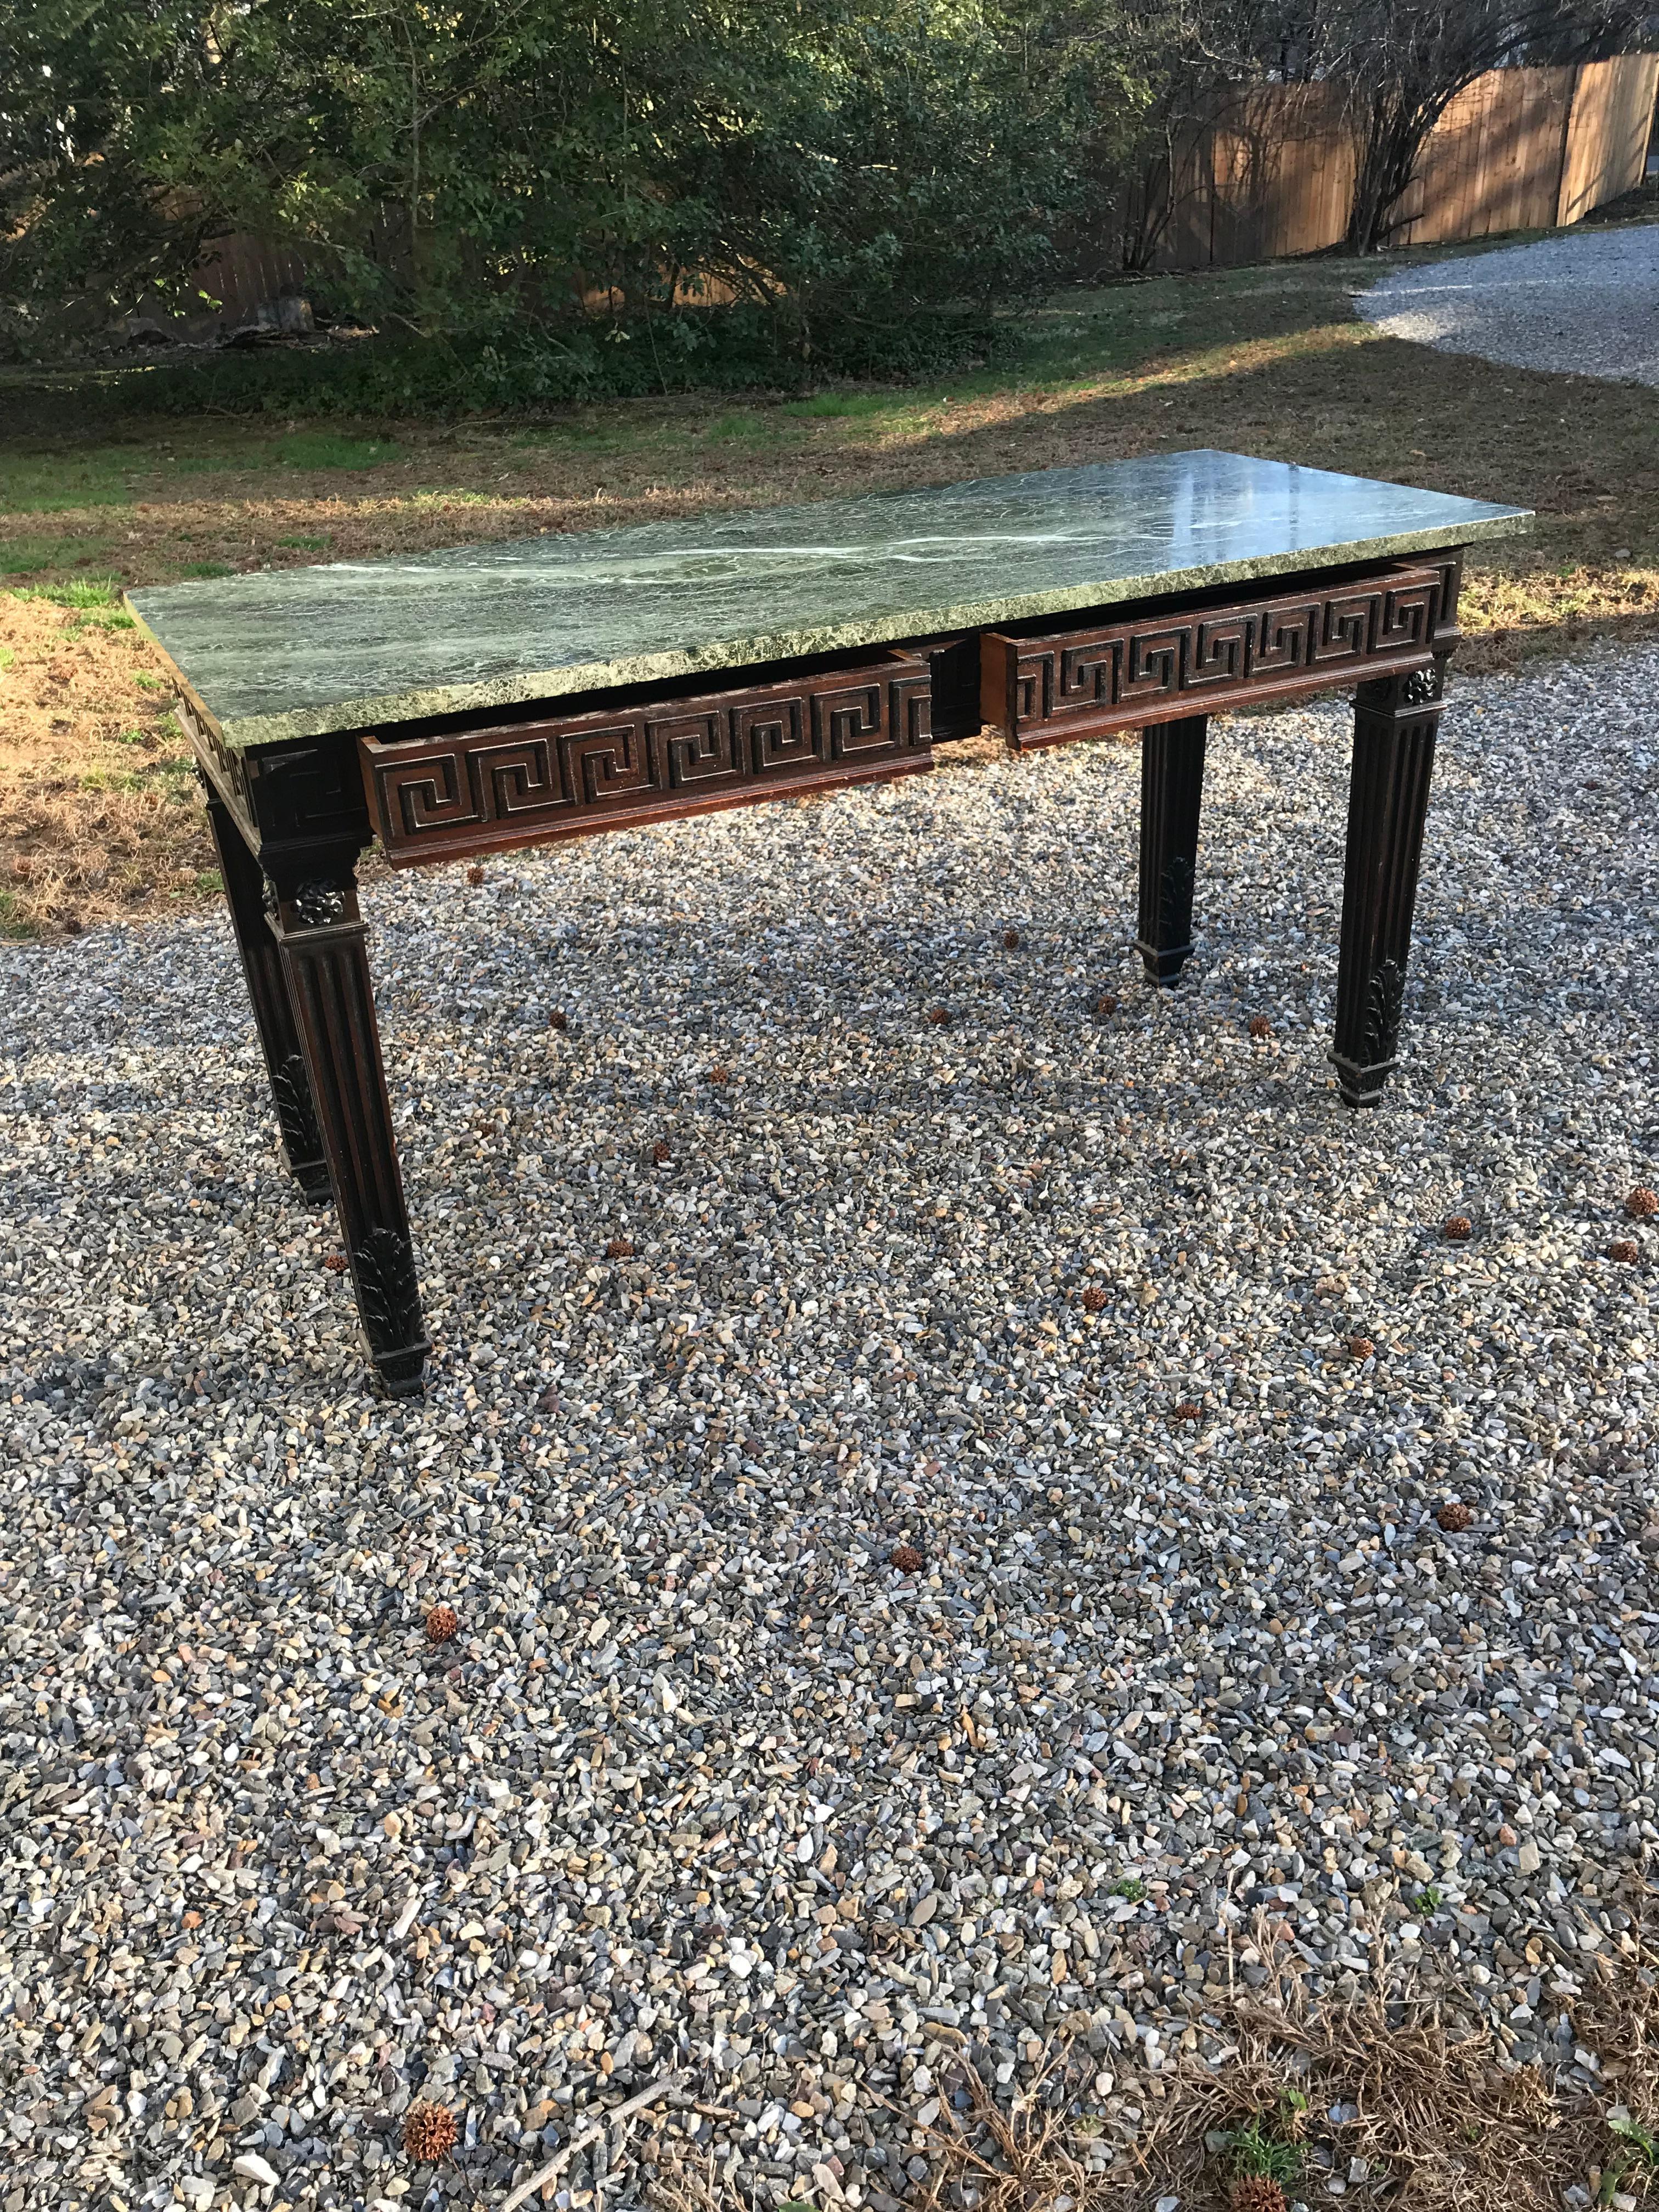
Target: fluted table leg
(1395, 721)
(322, 936)
(1171, 791)
(273, 1017)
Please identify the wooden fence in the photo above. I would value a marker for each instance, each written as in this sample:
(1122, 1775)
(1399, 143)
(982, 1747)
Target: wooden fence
(1520, 149)
(243, 274)
(236, 278)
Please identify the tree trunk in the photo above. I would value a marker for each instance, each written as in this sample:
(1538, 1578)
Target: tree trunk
(1392, 134)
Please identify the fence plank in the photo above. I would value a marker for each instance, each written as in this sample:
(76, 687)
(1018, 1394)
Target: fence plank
(1608, 135)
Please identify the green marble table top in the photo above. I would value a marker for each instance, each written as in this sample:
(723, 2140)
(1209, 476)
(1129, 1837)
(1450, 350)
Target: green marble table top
(365, 644)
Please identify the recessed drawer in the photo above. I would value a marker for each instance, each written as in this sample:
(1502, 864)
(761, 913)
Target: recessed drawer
(436, 798)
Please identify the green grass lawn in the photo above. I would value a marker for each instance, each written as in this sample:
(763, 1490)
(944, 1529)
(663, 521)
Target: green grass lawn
(1269, 360)
(1272, 361)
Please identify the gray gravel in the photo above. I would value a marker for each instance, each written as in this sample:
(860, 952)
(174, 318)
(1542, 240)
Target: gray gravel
(705, 1779)
(1583, 304)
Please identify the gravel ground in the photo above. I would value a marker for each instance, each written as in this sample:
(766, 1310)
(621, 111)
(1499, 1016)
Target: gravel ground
(706, 1778)
(1586, 303)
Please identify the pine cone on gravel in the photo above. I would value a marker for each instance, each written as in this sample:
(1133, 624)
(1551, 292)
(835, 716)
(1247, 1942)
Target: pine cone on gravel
(619, 1249)
(1094, 1299)
(1257, 2193)
(1623, 1249)
(430, 2132)
(443, 1624)
(1642, 1203)
(1455, 1228)
(908, 1559)
(1455, 1517)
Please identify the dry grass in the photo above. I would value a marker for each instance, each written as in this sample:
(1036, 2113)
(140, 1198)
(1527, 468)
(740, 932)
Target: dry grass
(99, 813)
(1270, 360)
(1380, 2092)
(681, 2180)
(1439, 2123)
(1028, 2156)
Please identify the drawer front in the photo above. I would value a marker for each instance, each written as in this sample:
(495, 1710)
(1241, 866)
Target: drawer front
(1161, 667)
(438, 799)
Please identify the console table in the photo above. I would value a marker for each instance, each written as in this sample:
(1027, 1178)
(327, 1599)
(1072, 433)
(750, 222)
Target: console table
(459, 704)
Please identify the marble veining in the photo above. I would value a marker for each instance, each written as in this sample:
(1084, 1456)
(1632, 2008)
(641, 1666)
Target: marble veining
(367, 644)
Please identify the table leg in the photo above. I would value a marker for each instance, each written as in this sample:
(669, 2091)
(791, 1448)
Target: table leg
(1171, 790)
(322, 936)
(273, 1017)
(1396, 719)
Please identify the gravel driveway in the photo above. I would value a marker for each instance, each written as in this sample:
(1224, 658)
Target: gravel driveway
(1584, 304)
(705, 1777)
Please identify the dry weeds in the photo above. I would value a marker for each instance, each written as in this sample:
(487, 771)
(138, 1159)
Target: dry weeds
(100, 814)
(1382, 2094)
(1027, 2156)
(1429, 2116)
(680, 2179)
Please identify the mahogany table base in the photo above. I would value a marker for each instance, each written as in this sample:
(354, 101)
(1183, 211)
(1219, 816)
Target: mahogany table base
(289, 821)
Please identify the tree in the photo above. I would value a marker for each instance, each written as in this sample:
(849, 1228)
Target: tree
(1193, 58)
(86, 212)
(1406, 61)
(475, 172)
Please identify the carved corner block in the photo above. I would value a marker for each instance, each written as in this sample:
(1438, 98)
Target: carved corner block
(299, 807)
(482, 790)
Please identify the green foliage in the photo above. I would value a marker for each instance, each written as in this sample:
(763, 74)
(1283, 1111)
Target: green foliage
(1628, 2131)
(1636, 2160)
(93, 592)
(100, 618)
(1426, 1901)
(48, 484)
(542, 204)
(1130, 1887)
(1255, 2149)
(733, 348)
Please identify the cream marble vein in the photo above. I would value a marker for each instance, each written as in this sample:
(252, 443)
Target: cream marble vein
(368, 644)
